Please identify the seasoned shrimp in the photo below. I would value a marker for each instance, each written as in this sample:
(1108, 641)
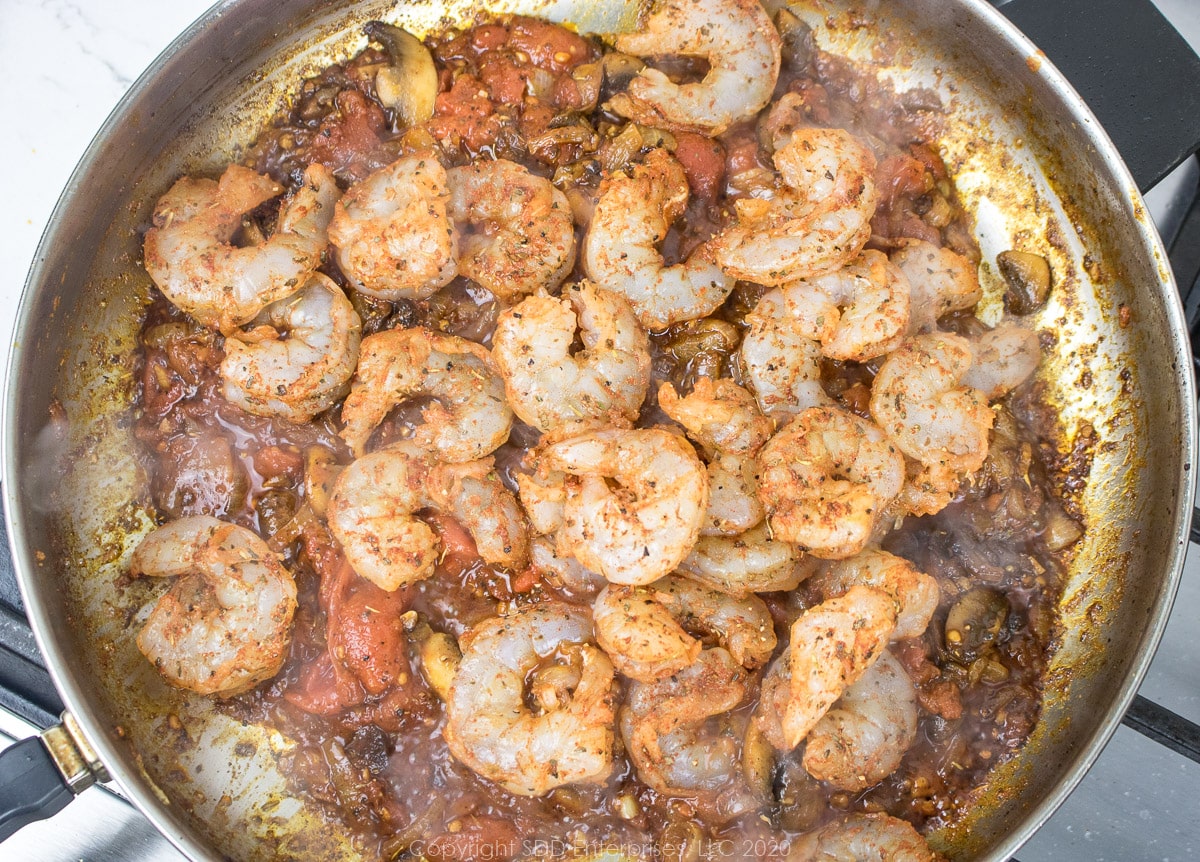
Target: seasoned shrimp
(469, 416)
(641, 529)
(392, 232)
(543, 493)
(782, 366)
(189, 256)
(815, 223)
(620, 250)
(516, 234)
(298, 358)
(743, 51)
(1002, 359)
(940, 281)
(825, 479)
(224, 625)
(832, 645)
(643, 628)
(918, 400)
(372, 513)
(551, 388)
(857, 312)
(752, 562)
(566, 573)
(863, 737)
(863, 838)
(489, 724)
(915, 592)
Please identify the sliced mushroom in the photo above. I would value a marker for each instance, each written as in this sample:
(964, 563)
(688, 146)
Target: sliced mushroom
(1028, 277)
(798, 45)
(619, 70)
(974, 622)
(408, 86)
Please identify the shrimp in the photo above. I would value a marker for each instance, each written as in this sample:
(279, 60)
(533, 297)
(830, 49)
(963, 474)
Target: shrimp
(372, 513)
(918, 401)
(863, 838)
(620, 250)
(543, 493)
(832, 645)
(863, 737)
(490, 726)
(553, 389)
(298, 358)
(392, 233)
(940, 281)
(826, 478)
(752, 562)
(189, 256)
(741, 45)
(641, 529)
(224, 625)
(1002, 359)
(675, 730)
(469, 416)
(642, 628)
(915, 592)
(782, 366)
(815, 223)
(566, 573)
(857, 312)
(516, 234)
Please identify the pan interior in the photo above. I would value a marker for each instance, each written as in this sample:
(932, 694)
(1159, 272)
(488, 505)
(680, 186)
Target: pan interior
(1028, 162)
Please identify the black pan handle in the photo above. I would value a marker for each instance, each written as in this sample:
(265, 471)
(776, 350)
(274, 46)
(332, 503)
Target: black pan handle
(31, 785)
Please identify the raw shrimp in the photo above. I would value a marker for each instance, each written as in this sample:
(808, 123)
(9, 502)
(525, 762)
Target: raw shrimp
(469, 416)
(752, 562)
(371, 512)
(815, 223)
(915, 592)
(863, 737)
(566, 573)
(392, 232)
(224, 625)
(189, 256)
(743, 51)
(489, 724)
(857, 312)
(940, 281)
(620, 250)
(641, 529)
(515, 232)
(918, 400)
(553, 389)
(644, 630)
(832, 645)
(781, 365)
(298, 358)
(544, 495)
(1002, 359)
(863, 838)
(826, 477)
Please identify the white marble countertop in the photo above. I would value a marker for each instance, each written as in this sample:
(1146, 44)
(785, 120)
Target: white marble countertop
(63, 66)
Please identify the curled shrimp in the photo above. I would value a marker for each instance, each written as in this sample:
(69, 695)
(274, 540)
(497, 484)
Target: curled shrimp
(639, 530)
(863, 838)
(918, 400)
(643, 628)
(940, 281)
(298, 358)
(552, 388)
(469, 416)
(826, 478)
(857, 312)
(189, 256)
(863, 737)
(224, 625)
(916, 593)
(516, 235)
(490, 726)
(393, 236)
(751, 562)
(781, 365)
(1002, 359)
(620, 250)
(742, 48)
(832, 645)
(817, 221)
(373, 505)
(566, 573)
